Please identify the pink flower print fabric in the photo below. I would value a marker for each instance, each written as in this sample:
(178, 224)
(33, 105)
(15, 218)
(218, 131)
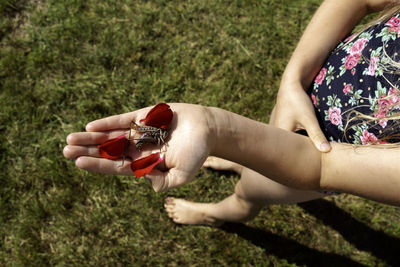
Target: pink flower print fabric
(335, 116)
(321, 76)
(394, 24)
(358, 47)
(357, 83)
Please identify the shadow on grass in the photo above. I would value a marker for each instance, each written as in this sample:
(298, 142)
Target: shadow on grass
(287, 249)
(381, 245)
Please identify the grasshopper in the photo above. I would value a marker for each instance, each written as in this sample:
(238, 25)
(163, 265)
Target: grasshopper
(150, 134)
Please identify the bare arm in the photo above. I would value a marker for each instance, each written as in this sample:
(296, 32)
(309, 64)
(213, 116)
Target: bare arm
(291, 159)
(283, 156)
(286, 157)
(331, 23)
(370, 171)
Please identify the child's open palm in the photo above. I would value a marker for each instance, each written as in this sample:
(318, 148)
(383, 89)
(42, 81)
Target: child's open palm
(186, 148)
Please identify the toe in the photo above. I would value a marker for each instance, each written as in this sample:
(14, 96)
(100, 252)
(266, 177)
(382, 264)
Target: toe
(170, 214)
(169, 200)
(169, 208)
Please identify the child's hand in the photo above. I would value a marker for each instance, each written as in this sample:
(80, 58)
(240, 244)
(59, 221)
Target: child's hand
(187, 146)
(294, 111)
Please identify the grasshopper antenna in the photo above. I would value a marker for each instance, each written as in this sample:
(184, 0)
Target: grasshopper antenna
(127, 147)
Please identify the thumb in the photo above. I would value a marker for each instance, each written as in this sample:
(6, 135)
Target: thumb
(287, 125)
(164, 181)
(317, 137)
(157, 180)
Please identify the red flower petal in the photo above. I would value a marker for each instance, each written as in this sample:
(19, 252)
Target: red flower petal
(145, 165)
(113, 148)
(159, 116)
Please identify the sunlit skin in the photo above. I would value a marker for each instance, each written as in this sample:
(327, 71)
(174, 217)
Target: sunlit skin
(293, 111)
(297, 166)
(186, 141)
(285, 157)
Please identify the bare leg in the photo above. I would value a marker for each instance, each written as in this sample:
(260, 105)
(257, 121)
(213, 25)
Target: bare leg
(222, 165)
(252, 192)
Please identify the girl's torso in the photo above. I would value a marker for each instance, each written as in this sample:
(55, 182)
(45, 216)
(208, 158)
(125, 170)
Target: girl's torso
(356, 90)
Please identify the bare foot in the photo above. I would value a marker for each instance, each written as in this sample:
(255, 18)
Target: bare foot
(186, 212)
(222, 165)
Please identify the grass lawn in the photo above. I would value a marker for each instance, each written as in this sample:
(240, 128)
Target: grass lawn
(65, 63)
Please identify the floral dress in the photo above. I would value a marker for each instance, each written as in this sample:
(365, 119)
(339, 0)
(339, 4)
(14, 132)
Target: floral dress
(356, 90)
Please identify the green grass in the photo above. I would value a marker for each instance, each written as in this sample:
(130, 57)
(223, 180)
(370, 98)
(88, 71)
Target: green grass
(65, 63)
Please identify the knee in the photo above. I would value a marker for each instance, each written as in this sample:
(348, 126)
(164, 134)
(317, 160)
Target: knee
(239, 191)
(244, 200)
(248, 208)
(246, 189)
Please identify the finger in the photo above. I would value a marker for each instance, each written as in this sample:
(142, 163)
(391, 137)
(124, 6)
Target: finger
(157, 180)
(272, 117)
(121, 121)
(91, 138)
(73, 152)
(106, 166)
(284, 124)
(316, 135)
(164, 181)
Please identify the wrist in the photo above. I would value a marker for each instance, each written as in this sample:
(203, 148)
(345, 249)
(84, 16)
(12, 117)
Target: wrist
(211, 128)
(290, 87)
(295, 73)
(219, 129)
